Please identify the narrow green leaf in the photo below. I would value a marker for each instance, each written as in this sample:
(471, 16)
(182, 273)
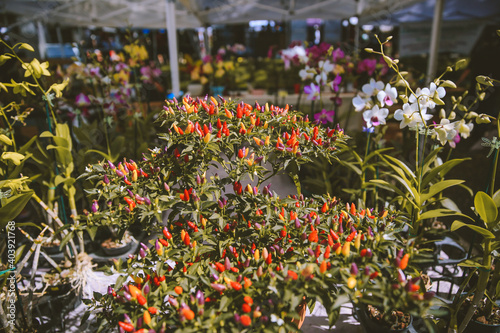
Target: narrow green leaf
(440, 170)
(440, 213)
(13, 206)
(482, 231)
(439, 187)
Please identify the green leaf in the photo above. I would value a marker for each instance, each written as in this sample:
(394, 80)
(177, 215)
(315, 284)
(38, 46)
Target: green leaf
(441, 170)
(485, 207)
(13, 206)
(401, 165)
(482, 231)
(341, 300)
(439, 187)
(496, 198)
(440, 213)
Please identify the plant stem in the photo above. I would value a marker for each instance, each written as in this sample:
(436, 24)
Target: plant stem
(482, 283)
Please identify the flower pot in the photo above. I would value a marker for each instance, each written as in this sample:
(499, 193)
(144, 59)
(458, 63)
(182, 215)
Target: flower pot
(117, 250)
(372, 326)
(476, 326)
(217, 90)
(195, 89)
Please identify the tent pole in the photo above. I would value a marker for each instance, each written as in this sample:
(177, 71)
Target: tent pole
(42, 42)
(435, 36)
(172, 46)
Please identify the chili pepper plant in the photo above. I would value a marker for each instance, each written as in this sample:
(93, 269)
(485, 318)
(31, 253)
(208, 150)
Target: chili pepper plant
(226, 252)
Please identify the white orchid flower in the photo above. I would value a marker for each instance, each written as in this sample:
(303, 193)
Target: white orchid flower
(446, 132)
(373, 87)
(307, 73)
(388, 96)
(359, 103)
(410, 116)
(375, 116)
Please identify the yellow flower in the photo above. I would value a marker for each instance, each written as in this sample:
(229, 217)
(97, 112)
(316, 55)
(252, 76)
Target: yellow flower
(219, 73)
(203, 80)
(207, 68)
(36, 68)
(121, 76)
(58, 87)
(338, 70)
(228, 65)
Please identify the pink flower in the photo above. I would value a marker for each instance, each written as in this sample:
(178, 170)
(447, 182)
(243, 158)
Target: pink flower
(325, 116)
(367, 65)
(82, 100)
(312, 92)
(337, 54)
(336, 82)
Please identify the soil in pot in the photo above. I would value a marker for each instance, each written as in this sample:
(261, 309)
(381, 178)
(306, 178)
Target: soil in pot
(481, 321)
(374, 322)
(111, 247)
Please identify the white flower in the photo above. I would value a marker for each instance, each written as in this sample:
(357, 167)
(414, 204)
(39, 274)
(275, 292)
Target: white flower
(325, 67)
(375, 116)
(307, 73)
(359, 103)
(387, 96)
(446, 132)
(425, 96)
(276, 319)
(464, 129)
(87, 169)
(298, 51)
(433, 89)
(373, 87)
(409, 115)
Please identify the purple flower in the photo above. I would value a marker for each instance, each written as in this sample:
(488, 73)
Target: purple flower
(82, 100)
(325, 116)
(337, 54)
(336, 83)
(312, 92)
(367, 65)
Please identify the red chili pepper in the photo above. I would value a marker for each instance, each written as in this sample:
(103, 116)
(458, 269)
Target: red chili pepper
(141, 299)
(351, 236)
(335, 237)
(187, 240)
(167, 233)
(127, 327)
(313, 236)
(235, 285)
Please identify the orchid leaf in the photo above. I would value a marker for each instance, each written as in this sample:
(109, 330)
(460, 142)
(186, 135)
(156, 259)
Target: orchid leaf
(485, 207)
(482, 231)
(439, 187)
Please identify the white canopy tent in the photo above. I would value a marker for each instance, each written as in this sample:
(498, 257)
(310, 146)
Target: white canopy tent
(174, 14)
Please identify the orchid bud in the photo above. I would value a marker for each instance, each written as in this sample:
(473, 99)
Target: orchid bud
(166, 187)
(215, 276)
(147, 201)
(130, 193)
(146, 289)
(227, 263)
(111, 165)
(126, 209)
(110, 290)
(297, 223)
(105, 179)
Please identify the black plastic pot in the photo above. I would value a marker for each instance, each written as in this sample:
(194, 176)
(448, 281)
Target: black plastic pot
(117, 251)
(372, 326)
(478, 327)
